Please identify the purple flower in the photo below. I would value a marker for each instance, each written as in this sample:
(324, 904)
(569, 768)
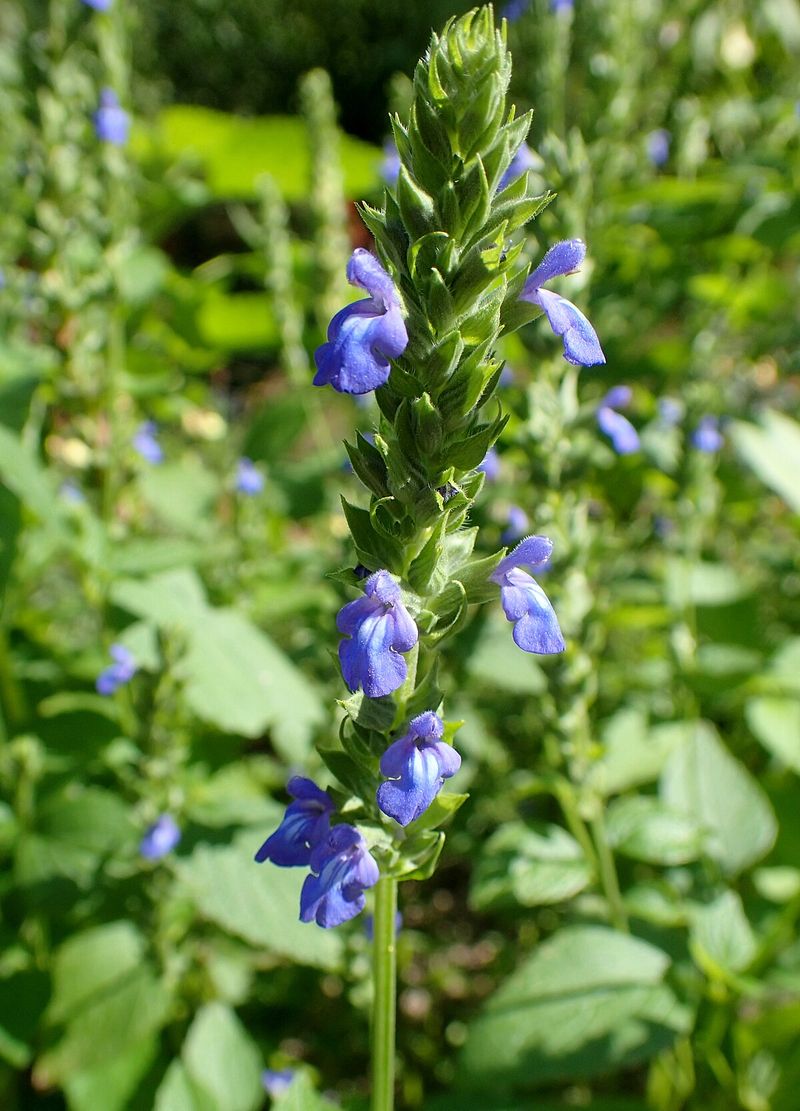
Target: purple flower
(658, 142)
(524, 602)
(98, 5)
(670, 412)
(619, 429)
(111, 123)
(390, 167)
(364, 336)
(561, 5)
(524, 159)
(490, 465)
(514, 9)
(277, 1081)
(342, 869)
(506, 376)
(581, 345)
(160, 839)
(146, 443)
(707, 436)
(121, 671)
(417, 765)
(305, 824)
(516, 525)
(379, 628)
(249, 479)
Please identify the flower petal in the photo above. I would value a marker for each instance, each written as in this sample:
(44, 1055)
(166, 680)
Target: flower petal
(619, 429)
(532, 552)
(365, 270)
(563, 258)
(581, 345)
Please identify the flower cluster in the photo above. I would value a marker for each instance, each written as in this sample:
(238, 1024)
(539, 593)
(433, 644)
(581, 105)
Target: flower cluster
(340, 862)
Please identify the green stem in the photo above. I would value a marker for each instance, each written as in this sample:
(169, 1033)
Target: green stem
(384, 964)
(608, 874)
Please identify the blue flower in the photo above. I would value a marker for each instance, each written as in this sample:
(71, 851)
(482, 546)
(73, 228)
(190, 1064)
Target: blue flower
(98, 5)
(490, 465)
(277, 1081)
(581, 345)
(707, 436)
(670, 412)
(417, 765)
(380, 628)
(619, 429)
(146, 443)
(514, 9)
(390, 167)
(524, 159)
(70, 491)
(516, 525)
(524, 602)
(249, 479)
(121, 671)
(160, 839)
(111, 123)
(364, 336)
(658, 143)
(305, 824)
(561, 5)
(342, 869)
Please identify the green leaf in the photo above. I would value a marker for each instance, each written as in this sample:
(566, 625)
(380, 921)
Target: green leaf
(633, 754)
(441, 810)
(586, 1001)
(773, 452)
(526, 866)
(222, 1060)
(301, 1095)
(498, 662)
(720, 937)
(177, 1092)
(234, 151)
(25, 477)
(702, 584)
(703, 781)
(776, 723)
(111, 1085)
(237, 321)
(23, 997)
(87, 963)
(181, 494)
(644, 828)
(134, 1006)
(257, 902)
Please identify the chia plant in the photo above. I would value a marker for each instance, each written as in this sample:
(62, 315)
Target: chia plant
(447, 280)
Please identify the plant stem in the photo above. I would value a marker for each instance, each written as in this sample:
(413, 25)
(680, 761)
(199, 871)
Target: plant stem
(608, 874)
(384, 966)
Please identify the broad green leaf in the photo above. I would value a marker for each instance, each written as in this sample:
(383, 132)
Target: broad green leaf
(772, 450)
(706, 783)
(222, 1060)
(587, 1000)
(235, 151)
(134, 1006)
(172, 598)
(702, 584)
(531, 867)
(88, 962)
(181, 494)
(497, 662)
(301, 1095)
(111, 1084)
(644, 828)
(633, 753)
(720, 936)
(177, 1092)
(776, 723)
(257, 902)
(27, 478)
(76, 827)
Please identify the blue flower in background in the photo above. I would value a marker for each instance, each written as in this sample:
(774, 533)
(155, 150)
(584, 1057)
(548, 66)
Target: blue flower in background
(379, 628)
(160, 839)
(277, 1081)
(111, 122)
(658, 143)
(70, 491)
(145, 443)
(121, 671)
(305, 824)
(524, 602)
(619, 429)
(364, 336)
(390, 166)
(516, 525)
(514, 10)
(490, 465)
(581, 345)
(249, 479)
(342, 869)
(707, 436)
(98, 5)
(670, 412)
(417, 765)
(561, 5)
(523, 160)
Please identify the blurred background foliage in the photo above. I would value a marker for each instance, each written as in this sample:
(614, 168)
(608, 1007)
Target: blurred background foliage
(613, 923)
